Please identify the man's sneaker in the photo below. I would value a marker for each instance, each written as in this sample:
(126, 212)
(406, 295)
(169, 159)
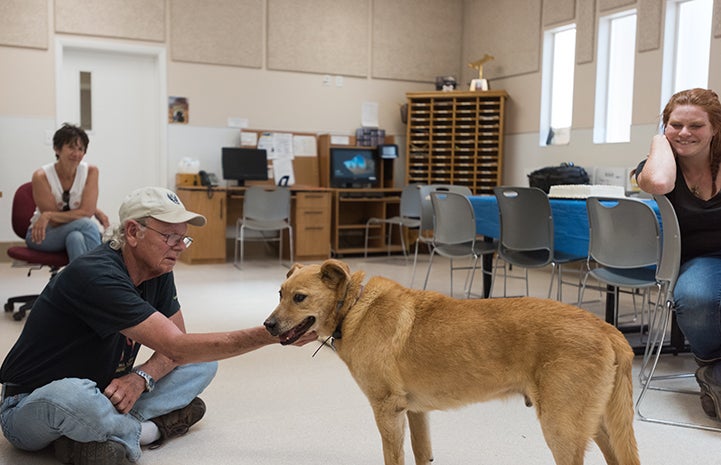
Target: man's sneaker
(177, 422)
(710, 391)
(707, 405)
(90, 453)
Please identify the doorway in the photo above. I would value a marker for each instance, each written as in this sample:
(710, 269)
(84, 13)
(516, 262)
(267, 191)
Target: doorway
(127, 106)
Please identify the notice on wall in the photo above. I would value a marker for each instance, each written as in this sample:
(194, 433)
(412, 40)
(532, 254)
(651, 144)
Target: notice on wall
(278, 145)
(369, 115)
(304, 146)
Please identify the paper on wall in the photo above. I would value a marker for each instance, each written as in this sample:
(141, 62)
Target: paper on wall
(283, 167)
(278, 145)
(248, 139)
(304, 146)
(369, 115)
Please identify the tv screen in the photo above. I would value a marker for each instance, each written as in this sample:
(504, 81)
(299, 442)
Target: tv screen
(353, 167)
(244, 164)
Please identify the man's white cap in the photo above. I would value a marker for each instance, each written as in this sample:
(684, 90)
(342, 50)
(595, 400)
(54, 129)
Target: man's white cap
(159, 203)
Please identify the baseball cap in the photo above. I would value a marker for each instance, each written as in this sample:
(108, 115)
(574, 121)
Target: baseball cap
(159, 203)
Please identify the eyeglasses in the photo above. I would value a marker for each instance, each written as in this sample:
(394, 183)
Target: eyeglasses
(171, 239)
(66, 200)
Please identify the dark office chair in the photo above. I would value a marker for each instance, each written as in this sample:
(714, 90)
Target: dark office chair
(23, 209)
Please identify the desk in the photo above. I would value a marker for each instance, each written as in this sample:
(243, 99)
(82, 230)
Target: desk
(310, 218)
(570, 230)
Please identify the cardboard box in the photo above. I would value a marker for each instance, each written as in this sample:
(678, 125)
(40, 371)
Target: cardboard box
(185, 179)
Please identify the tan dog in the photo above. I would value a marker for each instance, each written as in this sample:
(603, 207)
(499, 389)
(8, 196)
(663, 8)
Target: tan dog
(414, 351)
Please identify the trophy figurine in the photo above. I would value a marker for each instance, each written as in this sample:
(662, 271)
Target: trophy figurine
(480, 83)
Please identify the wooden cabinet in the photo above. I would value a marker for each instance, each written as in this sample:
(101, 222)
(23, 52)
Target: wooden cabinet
(456, 138)
(310, 218)
(209, 240)
(351, 210)
(311, 225)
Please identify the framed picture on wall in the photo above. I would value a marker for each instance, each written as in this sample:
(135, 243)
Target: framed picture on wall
(178, 110)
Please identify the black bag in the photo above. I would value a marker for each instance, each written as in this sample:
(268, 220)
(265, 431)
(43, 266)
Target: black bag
(549, 176)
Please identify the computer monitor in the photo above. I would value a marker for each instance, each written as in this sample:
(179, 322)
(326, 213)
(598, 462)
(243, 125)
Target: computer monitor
(353, 167)
(244, 164)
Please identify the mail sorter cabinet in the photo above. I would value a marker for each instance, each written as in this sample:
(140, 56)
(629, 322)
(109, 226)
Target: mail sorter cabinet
(456, 138)
(310, 217)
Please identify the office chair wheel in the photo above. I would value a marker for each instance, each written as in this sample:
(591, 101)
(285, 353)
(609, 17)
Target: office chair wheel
(9, 307)
(19, 315)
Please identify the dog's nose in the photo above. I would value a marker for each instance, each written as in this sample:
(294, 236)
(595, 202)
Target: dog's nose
(271, 325)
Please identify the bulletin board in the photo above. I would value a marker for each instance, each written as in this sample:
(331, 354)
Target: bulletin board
(304, 145)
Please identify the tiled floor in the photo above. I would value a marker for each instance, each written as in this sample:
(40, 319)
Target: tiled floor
(282, 405)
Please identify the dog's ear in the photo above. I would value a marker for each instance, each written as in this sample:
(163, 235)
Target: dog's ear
(333, 272)
(296, 266)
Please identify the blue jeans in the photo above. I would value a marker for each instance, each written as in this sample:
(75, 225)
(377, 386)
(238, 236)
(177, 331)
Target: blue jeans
(76, 408)
(76, 237)
(697, 296)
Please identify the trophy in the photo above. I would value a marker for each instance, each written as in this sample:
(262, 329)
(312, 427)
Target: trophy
(480, 83)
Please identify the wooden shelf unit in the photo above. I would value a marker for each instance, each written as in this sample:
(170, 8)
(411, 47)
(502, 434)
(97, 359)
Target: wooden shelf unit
(456, 138)
(351, 209)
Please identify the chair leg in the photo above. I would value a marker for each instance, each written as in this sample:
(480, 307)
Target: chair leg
(415, 261)
(403, 241)
(428, 272)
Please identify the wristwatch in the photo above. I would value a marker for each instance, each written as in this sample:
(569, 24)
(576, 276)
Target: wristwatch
(149, 381)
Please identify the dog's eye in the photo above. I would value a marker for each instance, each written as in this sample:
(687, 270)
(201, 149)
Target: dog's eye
(298, 298)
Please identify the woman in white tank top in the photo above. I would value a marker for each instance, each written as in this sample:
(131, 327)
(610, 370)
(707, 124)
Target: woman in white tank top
(66, 195)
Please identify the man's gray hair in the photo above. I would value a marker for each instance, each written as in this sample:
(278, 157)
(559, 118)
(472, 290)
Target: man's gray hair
(115, 236)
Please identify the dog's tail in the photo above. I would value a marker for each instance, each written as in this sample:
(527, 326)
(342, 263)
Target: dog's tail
(618, 419)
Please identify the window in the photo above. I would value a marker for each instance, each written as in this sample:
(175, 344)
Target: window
(559, 59)
(614, 77)
(687, 46)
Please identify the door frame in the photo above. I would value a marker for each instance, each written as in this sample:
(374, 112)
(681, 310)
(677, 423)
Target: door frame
(158, 54)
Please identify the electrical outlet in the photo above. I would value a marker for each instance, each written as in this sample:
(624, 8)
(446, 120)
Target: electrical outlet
(339, 81)
(326, 80)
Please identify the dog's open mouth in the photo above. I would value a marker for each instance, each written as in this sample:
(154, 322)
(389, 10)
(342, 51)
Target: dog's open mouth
(294, 334)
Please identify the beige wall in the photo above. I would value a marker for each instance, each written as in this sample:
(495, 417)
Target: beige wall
(228, 78)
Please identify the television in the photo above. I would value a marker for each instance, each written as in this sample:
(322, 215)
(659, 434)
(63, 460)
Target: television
(353, 167)
(244, 164)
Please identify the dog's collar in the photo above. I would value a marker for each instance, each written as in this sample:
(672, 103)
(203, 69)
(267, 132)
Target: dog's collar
(338, 334)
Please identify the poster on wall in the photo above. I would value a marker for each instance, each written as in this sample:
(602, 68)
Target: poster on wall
(178, 110)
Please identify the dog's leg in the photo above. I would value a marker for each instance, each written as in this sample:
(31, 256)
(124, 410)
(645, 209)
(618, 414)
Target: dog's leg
(604, 443)
(391, 423)
(420, 437)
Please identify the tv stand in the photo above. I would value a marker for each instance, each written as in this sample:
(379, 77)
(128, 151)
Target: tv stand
(351, 210)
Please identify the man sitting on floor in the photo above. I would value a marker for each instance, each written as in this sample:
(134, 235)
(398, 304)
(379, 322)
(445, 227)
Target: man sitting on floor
(70, 380)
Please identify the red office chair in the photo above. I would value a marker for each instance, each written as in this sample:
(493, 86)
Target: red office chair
(23, 208)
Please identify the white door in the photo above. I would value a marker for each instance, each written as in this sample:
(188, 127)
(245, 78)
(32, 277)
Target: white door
(127, 137)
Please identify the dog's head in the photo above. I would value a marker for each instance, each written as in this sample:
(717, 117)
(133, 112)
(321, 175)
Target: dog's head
(310, 300)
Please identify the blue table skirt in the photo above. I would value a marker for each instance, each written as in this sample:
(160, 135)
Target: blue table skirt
(570, 221)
